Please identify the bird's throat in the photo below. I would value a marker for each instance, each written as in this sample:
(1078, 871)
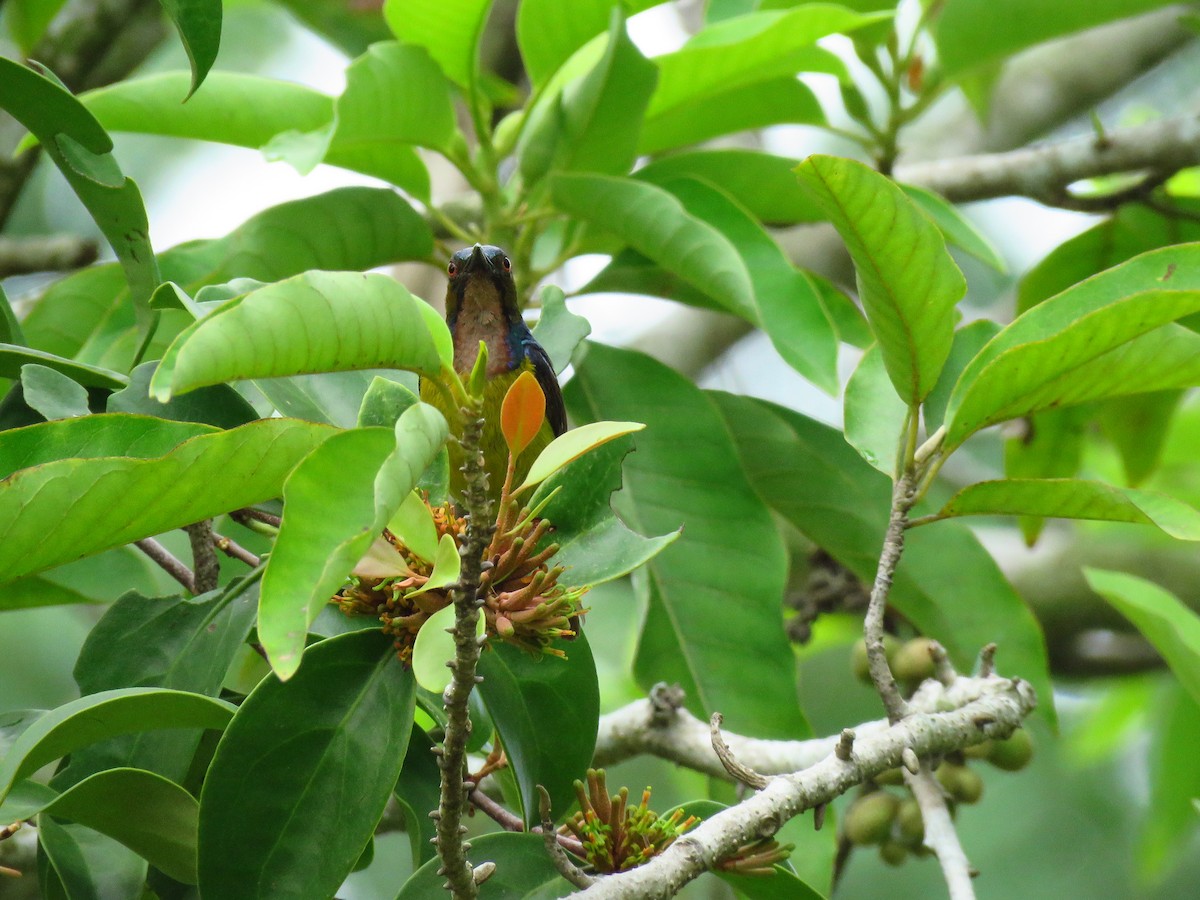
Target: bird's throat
(481, 318)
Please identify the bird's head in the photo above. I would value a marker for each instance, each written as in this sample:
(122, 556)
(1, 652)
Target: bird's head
(481, 280)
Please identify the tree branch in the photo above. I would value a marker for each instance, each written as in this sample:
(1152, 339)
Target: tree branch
(167, 562)
(51, 253)
(234, 550)
(973, 709)
(893, 546)
(204, 556)
(940, 834)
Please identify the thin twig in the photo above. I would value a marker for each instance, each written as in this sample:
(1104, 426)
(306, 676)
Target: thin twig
(48, 253)
(234, 550)
(893, 546)
(558, 856)
(940, 835)
(736, 770)
(509, 821)
(168, 562)
(258, 515)
(204, 558)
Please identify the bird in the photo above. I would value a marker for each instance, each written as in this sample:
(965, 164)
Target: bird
(481, 305)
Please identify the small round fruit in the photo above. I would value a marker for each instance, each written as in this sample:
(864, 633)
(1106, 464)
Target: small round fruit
(913, 662)
(869, 818)
(960, 782)
(859, 663)
(892, 777)
(1013, 753)
(909, 822)
(978, 751)
(893, 852)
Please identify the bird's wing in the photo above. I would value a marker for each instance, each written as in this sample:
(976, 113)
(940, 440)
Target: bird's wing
(543, 371)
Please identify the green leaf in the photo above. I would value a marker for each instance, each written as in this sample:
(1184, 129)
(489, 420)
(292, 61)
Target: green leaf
(593, 126)
(824, 489)
(1073, 499)
(1170, 820)
(874, 415)
(1048, 445)
(764, 184)
(686, 472)
(91, 505)
(907, 281)
(785, 303)
(384, 402)
(315, 322)
(218, 404)
(968, 341)
(350, 28)
(1164, 620)
(450, 31)
(28, 20)
(308, 763)
(956, 228)
(549, 32)
(446, 565)
(334, 505)
(149, 814)
(107, 714)
(413, 524)
(1058, 338)
(546, 711)
(434, 647)
(971, 34)
(14, 358)
(594, 544)
(10, 329)
(559, 330)
(418, 792)
(523, 870)
(748, 50)
(199, 25)
(81, 149)
(782, 101)
(75, 861)
(654, 223)
(1138, 427)
(573, 444)
(53, 394)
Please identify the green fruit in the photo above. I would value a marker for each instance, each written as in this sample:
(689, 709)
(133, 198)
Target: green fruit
(859, 663)
(978, 751)
(893, 853)
(869, 818)
(960, 782)
(1012, 753)
(909, 822)
(913, 662)
(890, 777)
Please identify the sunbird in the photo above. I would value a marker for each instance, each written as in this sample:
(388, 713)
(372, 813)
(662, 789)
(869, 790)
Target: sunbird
(481, 305)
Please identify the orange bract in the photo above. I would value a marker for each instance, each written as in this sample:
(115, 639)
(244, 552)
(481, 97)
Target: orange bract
(522, 413)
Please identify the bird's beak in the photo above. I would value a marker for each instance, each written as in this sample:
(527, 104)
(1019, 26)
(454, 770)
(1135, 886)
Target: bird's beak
(477, 261)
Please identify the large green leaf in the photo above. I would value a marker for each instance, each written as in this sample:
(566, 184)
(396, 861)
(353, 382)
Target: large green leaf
(764, 184)
(750, 49)
(955, 227)
(27, 20)
(654, 223)
(873, 414)
(593, 126)
(199, 25)
(51, 393)
(594, 544)
(971, 34)
(13, 358)
(75, 861)
(304, 771)
(728, 566)
(351, 27)
(783, 101)
(946, 585)
(559, 330)
(91, 505)
(907, 282)
(373, 227)
(107, 714)
(1069, 498)
(1170, 820)
(81, 149)
(418, 791)
(549, 31)
(1164, 620)
(315, 322)
(335, 503)
(449, 30)
(149, 814)
(218, 404)
(523, 871)
(545, 711)
(1053, 342)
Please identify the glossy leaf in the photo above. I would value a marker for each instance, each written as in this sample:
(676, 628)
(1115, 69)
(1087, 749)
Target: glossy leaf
(218, 404)
(199, 25)
(523, 870)
(1073, 499)
(384, 402)
(81, 149)
(573, 444)
(907, 282)
(686, 473)
(14, 358)
(1162, 618)
(522, 413)
(783, 101)
(956, 228)
(968, 341)
(149, 814)
(334, 504)
(446, 566)
(433, 648)
(107, 714)
(764, 184)
(315, 322)
(548, 32)
(841, 504)
(94, 504)
(594, 544)
(450, 31)
(874, 415)
(75, 861)
(546, 712)
(11, 333)
(52, 393)
(418, 792)
(559, 330)
(308, 763)
(413, 524)
(654, 223)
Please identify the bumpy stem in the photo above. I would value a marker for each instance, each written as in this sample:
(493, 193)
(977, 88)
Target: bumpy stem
(460, 878)
(893, 546)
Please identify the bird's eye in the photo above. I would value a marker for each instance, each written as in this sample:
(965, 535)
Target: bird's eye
(452, 270)
(507, 264)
